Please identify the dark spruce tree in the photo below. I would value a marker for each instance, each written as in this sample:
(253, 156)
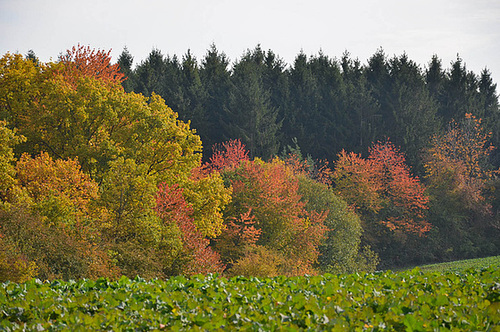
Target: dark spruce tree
(32, 56)
(161, 75)
(250, 115)
(192, 96)
(459, 93)
(333, 125)
(489, 110)
(435, 78)
(412, 109)
(361, 107)
(215, 78)
(304, 96)
(125, 61)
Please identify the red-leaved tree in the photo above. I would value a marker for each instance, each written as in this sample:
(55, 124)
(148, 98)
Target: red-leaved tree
(382, 189)
(227, 155)
(172, 208)
(266, 217)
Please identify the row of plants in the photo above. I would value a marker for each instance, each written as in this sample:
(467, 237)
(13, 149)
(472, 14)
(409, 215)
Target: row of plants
(411, 301)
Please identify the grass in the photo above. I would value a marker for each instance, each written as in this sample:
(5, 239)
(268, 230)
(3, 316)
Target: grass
(462, 265)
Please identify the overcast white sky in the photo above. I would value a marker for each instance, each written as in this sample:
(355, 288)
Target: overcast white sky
(421, 28)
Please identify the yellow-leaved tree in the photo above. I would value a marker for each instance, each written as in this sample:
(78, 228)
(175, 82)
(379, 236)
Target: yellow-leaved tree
(127, 143)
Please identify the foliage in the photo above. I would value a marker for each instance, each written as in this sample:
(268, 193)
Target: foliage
(461, 184)
(341, 251)
(95, 155)
(266, 210)
(8, 139)
(383, 186)
(173, 209)
(85, 61)
(411, 300)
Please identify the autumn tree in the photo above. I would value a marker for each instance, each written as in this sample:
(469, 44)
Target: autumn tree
(42, 177)
(464, 151)
(53, 224)
(124, 141)
(83, 61)
(266, 217)
(391, 202)
(8, 139)
(227, 156)
(196, 255)
(382, 185)
(459, 178)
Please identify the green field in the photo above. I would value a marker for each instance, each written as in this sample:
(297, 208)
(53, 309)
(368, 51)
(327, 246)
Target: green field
(462, 265)
(403, 301)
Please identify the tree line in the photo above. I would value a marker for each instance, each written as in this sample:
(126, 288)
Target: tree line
(319, 106)
(319, 103)
(258, 169)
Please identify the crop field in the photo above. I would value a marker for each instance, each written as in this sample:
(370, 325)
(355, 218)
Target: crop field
(404, 301)
(462, 265)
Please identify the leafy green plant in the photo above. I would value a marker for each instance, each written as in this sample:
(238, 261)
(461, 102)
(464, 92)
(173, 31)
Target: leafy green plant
(404, 301)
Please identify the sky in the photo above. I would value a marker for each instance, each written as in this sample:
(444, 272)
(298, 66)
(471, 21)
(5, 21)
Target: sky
(420, 28)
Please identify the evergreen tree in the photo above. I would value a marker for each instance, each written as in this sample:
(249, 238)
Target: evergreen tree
(304, 96)
(275, 80)
(459, 94)
(215, 78)
(192, 96)
(434, 78)
(125, 61)
(378, 79)
(362, 108)
(412, 109)
(250, 114)
(32, 56)
(161, 75)
(489, 110)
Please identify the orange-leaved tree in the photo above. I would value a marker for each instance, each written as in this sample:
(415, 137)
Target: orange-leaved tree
(461, 184)
(462, 152)
(60, 180)
(266, 217)
(52, 221)
(382, 189)
(83, 61)
(196, 256)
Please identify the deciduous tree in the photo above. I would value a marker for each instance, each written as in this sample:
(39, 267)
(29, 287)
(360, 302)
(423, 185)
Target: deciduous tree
(266, 210)
(383, 187)
(83, 61)
(173, 209)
